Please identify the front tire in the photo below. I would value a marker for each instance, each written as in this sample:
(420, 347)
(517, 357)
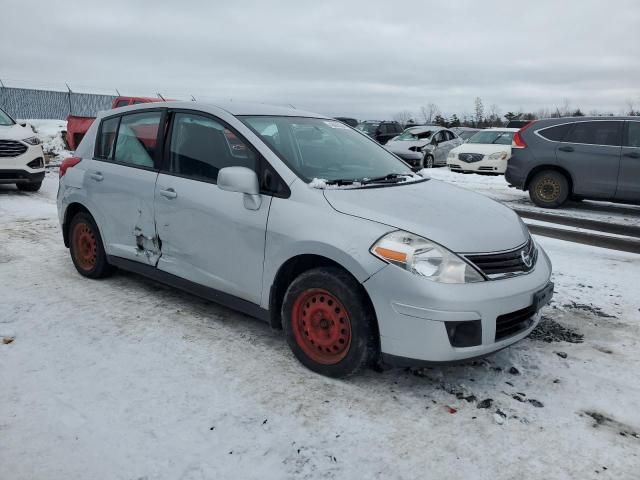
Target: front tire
(29, 187)
(549, 189)
(328, 322)
(428, 161)
(86, 248)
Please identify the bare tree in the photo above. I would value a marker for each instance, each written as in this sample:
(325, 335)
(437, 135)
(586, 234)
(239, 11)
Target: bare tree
(403, 117)
(479, 110)
(494, 115)
(429, 112)
(631, 107)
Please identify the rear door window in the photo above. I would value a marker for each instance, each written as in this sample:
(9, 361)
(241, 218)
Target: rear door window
(633, 134)
(596, 133)
(557, 133)
(201, 146)
(138, 139)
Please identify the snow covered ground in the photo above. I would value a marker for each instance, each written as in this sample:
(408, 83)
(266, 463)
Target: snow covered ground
(497, 188)
(126, 379)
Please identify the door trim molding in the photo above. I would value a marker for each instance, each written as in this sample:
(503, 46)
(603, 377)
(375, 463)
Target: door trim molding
(208, 293)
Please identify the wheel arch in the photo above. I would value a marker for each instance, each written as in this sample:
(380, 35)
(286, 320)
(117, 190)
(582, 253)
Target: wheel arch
(291, 269)
(540, 168)
(71, 211)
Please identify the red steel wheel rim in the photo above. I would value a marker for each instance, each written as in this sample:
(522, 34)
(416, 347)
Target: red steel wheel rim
(85, 246)
(321, 326)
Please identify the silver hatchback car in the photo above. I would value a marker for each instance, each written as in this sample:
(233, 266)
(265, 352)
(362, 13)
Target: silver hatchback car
(299, 220)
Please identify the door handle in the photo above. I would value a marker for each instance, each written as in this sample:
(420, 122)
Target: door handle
(97, 176)
(632, 154)
(169, 193)
(566, 149)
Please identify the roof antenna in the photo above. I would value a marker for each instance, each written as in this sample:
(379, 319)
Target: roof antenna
(161, 97)
(193, 99)
(118, 92)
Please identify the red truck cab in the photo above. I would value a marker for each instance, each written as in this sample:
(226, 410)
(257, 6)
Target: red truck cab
(77, 126)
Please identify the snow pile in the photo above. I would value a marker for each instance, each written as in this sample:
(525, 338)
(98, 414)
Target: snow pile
(322, 184)
(50, 133)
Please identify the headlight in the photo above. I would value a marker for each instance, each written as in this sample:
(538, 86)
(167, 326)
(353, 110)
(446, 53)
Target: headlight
(32, 141)
(425, 258)
(498, 156)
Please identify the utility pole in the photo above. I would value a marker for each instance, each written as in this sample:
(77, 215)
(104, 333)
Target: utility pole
(69, 97)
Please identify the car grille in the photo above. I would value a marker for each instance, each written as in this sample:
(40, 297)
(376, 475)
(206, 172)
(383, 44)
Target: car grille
(513, 323)
(470, 157)
(506, 264)
(11, 148)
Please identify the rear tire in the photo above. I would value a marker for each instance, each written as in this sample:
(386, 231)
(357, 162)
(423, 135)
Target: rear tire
(549, 189)
(29, 187)
(328, 322)
(86, 248)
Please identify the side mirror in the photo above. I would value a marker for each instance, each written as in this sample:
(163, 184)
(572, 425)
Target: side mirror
(242, 180)
(23, 124)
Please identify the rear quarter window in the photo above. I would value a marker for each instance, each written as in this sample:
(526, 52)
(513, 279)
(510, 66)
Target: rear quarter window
(106, 138)
(557, 133)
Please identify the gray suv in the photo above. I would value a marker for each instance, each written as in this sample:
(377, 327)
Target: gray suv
(302, 221)
(584, 157)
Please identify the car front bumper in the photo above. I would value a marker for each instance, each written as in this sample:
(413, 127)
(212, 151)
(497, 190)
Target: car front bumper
(414, 313)
(25, 168)
(483, 166)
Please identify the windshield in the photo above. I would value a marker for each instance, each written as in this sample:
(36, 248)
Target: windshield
(368, 127)
(492, 136)
(324, 149)
(413, 134)
(466, 134)
(5, 120)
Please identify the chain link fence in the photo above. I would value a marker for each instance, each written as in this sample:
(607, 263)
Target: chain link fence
(50, 104)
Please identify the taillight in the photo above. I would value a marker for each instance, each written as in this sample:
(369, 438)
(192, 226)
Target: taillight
(518, 141)
(68, 163)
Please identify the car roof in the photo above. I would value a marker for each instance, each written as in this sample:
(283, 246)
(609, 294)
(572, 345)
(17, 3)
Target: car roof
(500, 129)
(234, 108)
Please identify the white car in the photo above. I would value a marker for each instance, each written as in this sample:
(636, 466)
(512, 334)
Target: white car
(487, 151)
(21, 155)
(424, 146)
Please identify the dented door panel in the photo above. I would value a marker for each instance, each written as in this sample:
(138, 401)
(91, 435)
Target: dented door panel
(124, 196)
(209, 237)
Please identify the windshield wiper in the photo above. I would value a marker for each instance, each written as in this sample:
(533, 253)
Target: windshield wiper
(390, 178)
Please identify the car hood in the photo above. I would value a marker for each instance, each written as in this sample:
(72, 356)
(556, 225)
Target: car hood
(460, 220)
(483, 148)
(15, 132)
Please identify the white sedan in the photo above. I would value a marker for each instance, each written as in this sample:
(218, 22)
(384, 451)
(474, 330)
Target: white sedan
(487, 151)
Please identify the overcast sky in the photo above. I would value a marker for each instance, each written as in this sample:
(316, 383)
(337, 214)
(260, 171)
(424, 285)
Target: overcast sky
(366, 59)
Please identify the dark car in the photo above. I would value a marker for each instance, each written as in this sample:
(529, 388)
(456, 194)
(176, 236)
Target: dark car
(517, 123)
(381, 131)
(583, 157)
(352, 122)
